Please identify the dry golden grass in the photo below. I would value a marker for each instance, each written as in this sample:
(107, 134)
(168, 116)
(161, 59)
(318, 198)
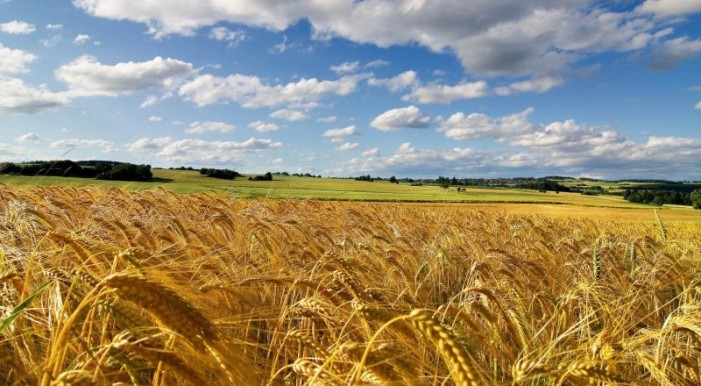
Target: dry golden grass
(106, 287)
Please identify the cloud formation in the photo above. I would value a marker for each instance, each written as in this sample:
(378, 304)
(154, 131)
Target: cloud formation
(289, 115)
(199, 151)
(19, 97)
(251, 92)
(401, 118)
(263, 127)
(341, 132)
(13, 61)
(86, 76)
(209, 126)
(536, 39)
(16, 27)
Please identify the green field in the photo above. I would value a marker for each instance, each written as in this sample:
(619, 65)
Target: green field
(186, 181)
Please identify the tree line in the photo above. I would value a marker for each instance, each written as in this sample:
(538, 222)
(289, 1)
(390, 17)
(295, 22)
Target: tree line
(101, 170)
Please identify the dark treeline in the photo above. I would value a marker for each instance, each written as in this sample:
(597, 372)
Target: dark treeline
(103, 170)
(264, 177)
(224, 174)
(657, 197)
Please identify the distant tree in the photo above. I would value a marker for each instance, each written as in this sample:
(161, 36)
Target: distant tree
(696, 199)
(658, 201)
(393, 180)
(265, 177)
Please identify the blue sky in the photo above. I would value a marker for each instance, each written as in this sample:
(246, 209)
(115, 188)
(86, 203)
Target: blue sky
(412, 88)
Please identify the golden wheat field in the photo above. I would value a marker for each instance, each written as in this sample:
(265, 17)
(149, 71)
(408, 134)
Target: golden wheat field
(105, 287)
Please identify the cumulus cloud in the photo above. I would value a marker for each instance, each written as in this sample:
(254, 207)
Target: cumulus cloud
(371, 152)
(155, 118)
(444, 94)
(17, 27)
(199, 151)
(396, 119)
(54, 27)
(348, 146)
(209, 126)
(86, 76)
(397, 83)
(289, 115)
(29, 137)
(460, 126)
(105, 146)
(346, 68)
(511, 38)
(670, 7)
(341, 132)
(263, 127)
(234, 38)
(18, 97)
(14, 61)
(674, 51)
(698, 106)
(81, 39)
(251, 92)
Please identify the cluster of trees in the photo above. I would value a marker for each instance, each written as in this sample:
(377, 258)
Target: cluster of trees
(309, 175)
(265, 177)
(224, 174)
(657, 197)
(365, 178)
(103, 170)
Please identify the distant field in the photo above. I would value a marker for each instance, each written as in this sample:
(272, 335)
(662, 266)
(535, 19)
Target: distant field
(184, 181)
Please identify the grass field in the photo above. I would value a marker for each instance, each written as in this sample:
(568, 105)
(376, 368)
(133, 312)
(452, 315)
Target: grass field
(290, 187)
(112, 286)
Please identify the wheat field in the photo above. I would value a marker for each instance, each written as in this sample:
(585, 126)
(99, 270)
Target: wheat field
(107, 287)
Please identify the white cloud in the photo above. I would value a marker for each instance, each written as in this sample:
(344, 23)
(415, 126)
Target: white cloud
(329, 119)
(289, 115)
(670, 7)
(511, 37)
(86, 76)
(263, 127)
(81, 39)
(155, 118)
(674, 51)
(346, 67)
(18, 97)
(251, 92)
(29, 137)
(54, 27)
(205, 127)
(341, 132)
(396, 119)
(698, 106)
(17, 27)
(444, 94)
(149, 101)
(13, 61)
(377, 63)
(234, 38)
(397, 83)
(200, 151)
(348, 146)
(477, 126)
(539, 85)
(371, 152)
(105, 146)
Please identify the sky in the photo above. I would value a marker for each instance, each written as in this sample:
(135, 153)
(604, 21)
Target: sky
(411, 88)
